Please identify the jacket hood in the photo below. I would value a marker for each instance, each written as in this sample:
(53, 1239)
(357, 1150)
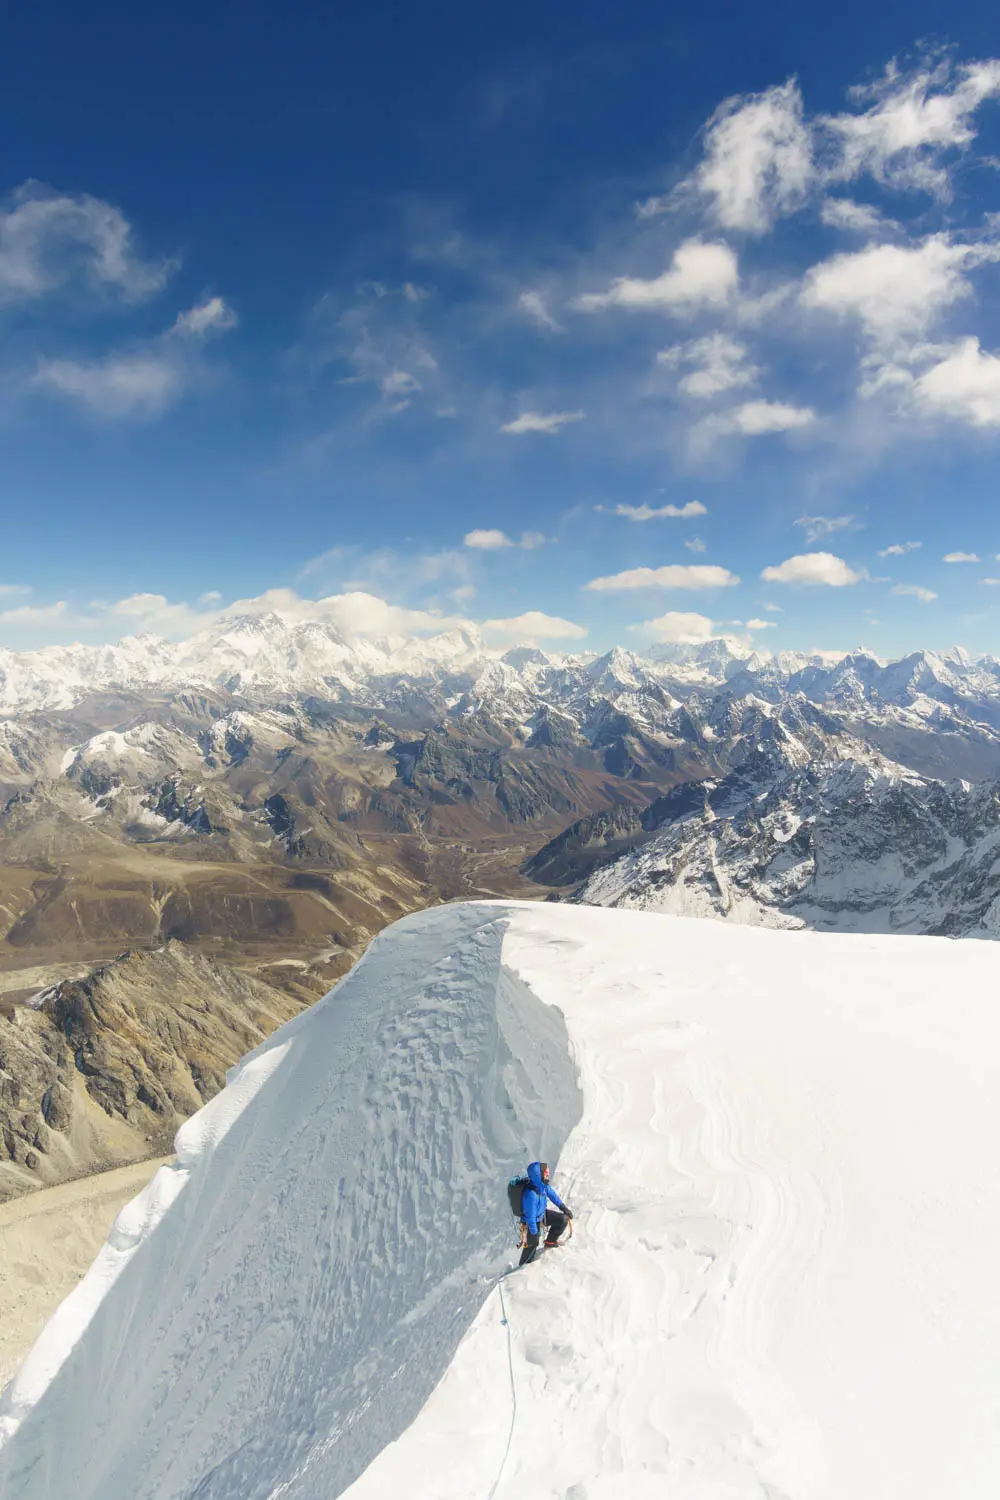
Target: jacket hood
(535, 1176)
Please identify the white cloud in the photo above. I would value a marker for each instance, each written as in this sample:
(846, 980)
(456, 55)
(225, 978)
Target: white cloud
(695, 544)
(812, 567)
(662, 512)
(532, 304)
(926, 596)
(701, 275)
(755, 418)
(154, 612)
(534, 626)
(36, 614)
(818, 527)
(497, 541)
(895, 290)
(213, 316)
(209, 599)
(360, 613)
(672, 576)
(13, 590)
(860, 218)
(965, 384)
(718, 363)
(900, 549)
(355, 612)
(758, 158)
(49, 240)
(915, 118)
(775, 609)
(961, 557)
(536, 421)
(463, 593)
(120, 385)
(678, 627)
(762, 625)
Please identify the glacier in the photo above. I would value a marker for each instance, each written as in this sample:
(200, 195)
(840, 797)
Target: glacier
(779, 1147)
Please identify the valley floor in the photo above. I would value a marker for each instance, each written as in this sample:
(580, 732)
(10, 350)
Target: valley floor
(47, 1242)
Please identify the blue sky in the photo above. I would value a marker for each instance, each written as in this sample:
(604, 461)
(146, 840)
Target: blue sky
(587, 325)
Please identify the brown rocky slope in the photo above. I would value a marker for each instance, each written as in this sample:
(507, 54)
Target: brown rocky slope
(104, 1069)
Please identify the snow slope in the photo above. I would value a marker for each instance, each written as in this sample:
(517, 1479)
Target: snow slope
(782, 1285)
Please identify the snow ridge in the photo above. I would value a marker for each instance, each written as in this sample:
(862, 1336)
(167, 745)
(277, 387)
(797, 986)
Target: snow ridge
(324, 1235)
(782, 1281)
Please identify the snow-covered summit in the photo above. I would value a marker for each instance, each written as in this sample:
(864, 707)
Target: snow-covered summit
(777, 1285)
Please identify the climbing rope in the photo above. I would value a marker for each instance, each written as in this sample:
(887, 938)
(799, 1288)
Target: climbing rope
(505, 1322)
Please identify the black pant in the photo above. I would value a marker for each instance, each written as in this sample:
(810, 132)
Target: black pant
(555, 1223)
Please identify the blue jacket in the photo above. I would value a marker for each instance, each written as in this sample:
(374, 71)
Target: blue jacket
(536, 1198)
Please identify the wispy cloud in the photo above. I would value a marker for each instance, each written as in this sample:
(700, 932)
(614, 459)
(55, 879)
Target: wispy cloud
(51, 241)
(757, 164)
(715, 363)
(764, 158)
(144, 381)
(536, 421)
(532, 305)
(389, 570)
(120, 385)
(660, 512)
(858, 218)
(900, 549)
(41, 615)
(498, 541)
(926, 596)
(914, 121)
(961, 557)
(816, 528)
(213, 316)
(671, 576)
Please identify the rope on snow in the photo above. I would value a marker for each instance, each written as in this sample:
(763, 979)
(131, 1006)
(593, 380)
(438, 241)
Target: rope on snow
(513, 1391)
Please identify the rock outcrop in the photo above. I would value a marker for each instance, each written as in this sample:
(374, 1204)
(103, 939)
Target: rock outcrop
(102, 1070)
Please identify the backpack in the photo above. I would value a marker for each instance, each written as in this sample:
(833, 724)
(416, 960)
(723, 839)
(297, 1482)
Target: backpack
(515, 1193)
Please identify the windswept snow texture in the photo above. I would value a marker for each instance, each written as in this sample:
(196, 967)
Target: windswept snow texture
(782, 1284)
(277, 1307)
(783, 1281)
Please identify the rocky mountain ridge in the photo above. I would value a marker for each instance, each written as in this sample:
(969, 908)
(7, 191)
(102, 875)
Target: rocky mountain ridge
(843, 841)
(101, 1071)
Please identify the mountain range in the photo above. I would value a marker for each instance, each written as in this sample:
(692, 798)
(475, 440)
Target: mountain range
(275, 789)
(266, 797)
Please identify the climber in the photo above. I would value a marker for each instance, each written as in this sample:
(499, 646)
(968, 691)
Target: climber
(534, 1211)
